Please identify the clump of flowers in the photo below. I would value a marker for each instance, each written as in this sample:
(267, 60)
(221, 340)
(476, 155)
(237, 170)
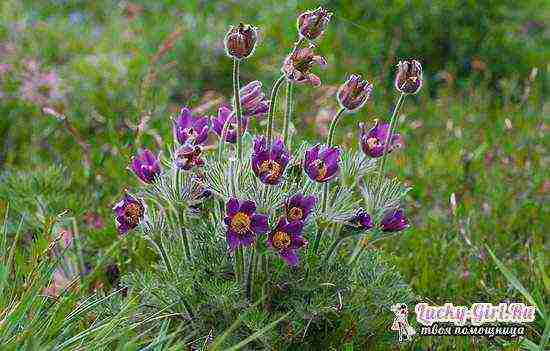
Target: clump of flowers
(316, 203)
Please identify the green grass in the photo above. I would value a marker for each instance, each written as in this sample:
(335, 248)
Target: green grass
(477, 130)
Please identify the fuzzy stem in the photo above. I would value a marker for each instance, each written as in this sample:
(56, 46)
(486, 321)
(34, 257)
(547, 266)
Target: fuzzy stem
(249, 275)
(181, 223)
(332, 248)
(239, 264)
(324, 196)
(222, 138)
(272, 106)
(238, 111)
(164, 256)
(382, 164)
(288, 113)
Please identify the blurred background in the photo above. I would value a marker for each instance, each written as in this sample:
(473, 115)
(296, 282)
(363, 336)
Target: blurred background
(78, 77)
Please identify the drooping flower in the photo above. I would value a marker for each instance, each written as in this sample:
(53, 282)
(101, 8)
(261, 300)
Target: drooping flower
(145, 165)
(286, 239)
(297, 66)
(394, 221)
(408, 79)
(253, 100)
(373, 142)
(298, 207)
(243, 224)
(312, 24)
(362, 220)
(189, 156)
(190, 129)
(322, 165)
(225, 115)
(354, 93)
(128, 213)
(240, 41)
(269, 161)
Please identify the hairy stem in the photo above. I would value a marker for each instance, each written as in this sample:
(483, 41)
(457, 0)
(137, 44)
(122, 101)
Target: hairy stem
(272, 106)
(181, 223)
(249, 275)
(238, 111)
(382, 164)
(288, 113)
(324, 195)
(332, 248)
(239, 264)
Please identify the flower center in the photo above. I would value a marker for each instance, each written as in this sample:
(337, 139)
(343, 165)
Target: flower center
(321, 169)
(281, 240)
(373, 142)
(240, 223)
(272, 168)
(133, 213)
(295, 213)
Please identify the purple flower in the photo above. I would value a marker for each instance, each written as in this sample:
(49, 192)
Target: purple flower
(298, 207)
(286, 239)
(312, 24)
(322, 165)
(189, 156)
(394, 221)
(243, 224)
(240, 41)
(297, 66)
(225, 115)
(128, 213)
(190, 129)
(354, 93)
(373, 142)
(362, 220)
(408, 79)
(253, 101)
(145, 165)
(269, 162)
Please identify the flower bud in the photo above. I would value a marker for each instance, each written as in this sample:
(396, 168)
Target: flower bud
(312, 24)
(354, 93)
(240, 41)
(409, 77)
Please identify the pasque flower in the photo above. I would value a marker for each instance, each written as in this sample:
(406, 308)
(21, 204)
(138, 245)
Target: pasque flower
(321, 165)
(373, 141)
(269, 161)
(225, 115)
(145, 165)
(253, 100)
(298, 207)
(297, 66)
(128, 213)
(189, 156)
(286, 239)
(312, 24)
(240, 41)
(362, 220)
(191, 129)
(408, 79)
(243, 224)
(394, 221)
(354, 93)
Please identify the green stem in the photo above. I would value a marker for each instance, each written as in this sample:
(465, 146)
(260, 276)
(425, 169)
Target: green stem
(239, 264)
(181, 223)
(249, 275)
(272, 106)
(238, 110)
(288, 113)
(332, 248)
(324, 195)
(165, 258)
(382, 164)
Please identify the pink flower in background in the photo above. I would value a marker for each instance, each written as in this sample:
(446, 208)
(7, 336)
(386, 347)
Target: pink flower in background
(38, 87)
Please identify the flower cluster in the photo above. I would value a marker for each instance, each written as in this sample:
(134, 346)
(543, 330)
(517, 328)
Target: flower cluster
(244, 225)
(270, 156)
